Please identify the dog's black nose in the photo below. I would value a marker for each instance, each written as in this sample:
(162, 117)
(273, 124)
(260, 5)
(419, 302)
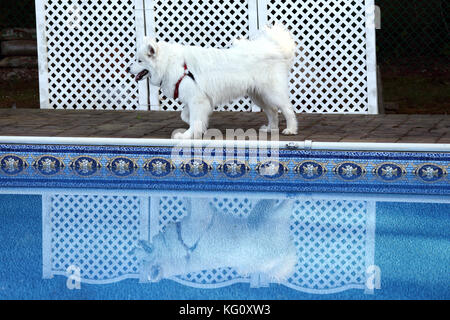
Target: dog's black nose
(128, 69)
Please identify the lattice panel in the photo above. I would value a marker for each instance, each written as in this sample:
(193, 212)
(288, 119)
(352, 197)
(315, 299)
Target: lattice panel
(208, 278)
(330, 71)
(95, 234)
(89, 44)
(171, 210)
(85, 46)
(237, 207)
(202, 23)
(330, 236)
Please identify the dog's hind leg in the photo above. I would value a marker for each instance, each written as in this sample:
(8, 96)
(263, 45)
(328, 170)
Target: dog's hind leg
(270, 111)
(272, 117)
(279, 99)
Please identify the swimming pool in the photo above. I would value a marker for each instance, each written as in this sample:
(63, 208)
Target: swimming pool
(98, 222)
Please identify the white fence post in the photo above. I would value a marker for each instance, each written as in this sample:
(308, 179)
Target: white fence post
(262, 13)
(254, 28)
(371, 57)
(42, 54)
(140, 33)
(46, 236)
(150, 32)
(370, 237)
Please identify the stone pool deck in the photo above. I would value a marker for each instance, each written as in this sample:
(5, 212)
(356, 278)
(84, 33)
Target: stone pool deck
(155, 124)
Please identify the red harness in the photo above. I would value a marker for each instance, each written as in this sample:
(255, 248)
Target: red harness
(177, 86)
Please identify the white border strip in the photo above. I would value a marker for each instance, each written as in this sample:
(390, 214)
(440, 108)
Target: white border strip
(107, 281)
(253, 144)
(378, 197)
(371, 207)
(46, 236)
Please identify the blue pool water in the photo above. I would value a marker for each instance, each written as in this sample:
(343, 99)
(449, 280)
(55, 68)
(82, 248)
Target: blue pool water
(411, 249)
(135, 223)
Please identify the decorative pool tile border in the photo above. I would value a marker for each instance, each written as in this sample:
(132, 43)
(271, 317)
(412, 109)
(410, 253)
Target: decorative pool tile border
(290, 171)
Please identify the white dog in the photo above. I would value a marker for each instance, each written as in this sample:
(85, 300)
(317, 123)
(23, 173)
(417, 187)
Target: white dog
(207, 238)
(202, 78)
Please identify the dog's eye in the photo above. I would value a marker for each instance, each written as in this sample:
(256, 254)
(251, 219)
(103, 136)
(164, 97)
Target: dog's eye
(139, 61)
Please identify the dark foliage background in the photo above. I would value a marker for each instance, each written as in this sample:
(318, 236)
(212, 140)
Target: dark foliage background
(413, 28)
(17, 13)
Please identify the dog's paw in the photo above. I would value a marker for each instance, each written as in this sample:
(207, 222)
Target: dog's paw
(289, 132)
(182, 135)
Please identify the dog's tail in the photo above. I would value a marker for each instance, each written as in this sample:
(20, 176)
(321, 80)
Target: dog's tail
(281, 36)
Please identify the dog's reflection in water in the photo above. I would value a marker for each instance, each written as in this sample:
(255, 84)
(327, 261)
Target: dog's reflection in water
(208, 238)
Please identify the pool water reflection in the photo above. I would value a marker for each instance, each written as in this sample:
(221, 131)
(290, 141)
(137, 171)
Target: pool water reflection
(317, 244)
(309, 244)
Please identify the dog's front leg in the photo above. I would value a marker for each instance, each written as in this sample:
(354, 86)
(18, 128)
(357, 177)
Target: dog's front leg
(199, 112)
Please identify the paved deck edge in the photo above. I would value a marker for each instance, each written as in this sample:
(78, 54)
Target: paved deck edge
(253, 144)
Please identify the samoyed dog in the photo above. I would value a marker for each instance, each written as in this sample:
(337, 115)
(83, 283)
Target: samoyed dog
(202, 78)
(210, 237)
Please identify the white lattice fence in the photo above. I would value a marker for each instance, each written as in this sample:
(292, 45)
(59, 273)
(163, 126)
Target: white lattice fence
(237, 207)
(171, 210)
(93, 234)
(84, 49)
(85, 45)
(333, 71)
(332, 239)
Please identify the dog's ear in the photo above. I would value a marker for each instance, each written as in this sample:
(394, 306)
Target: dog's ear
(152, 48)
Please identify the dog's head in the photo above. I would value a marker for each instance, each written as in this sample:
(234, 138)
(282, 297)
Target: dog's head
(162, 258)
(145, 65)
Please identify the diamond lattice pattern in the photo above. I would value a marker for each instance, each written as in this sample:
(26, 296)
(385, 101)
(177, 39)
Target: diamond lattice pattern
(237, 207)
(330, 71)
(89, 45)
(95, 234)
(171, 210)
(330, 236)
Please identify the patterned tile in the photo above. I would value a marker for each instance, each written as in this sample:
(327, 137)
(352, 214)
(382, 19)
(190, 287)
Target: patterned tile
(288, 171)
